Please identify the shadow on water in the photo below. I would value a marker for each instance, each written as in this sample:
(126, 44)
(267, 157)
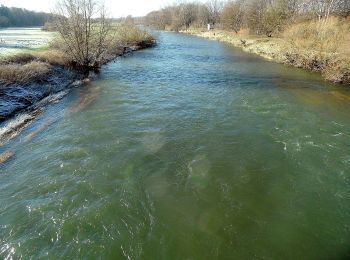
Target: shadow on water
(5, 156)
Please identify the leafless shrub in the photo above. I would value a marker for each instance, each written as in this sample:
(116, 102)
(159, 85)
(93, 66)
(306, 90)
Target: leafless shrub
(124, 34)
(84, 28)
(215, 7)
(232, 15)
(182, 16)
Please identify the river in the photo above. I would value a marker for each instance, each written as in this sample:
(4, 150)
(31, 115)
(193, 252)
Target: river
(189, 150)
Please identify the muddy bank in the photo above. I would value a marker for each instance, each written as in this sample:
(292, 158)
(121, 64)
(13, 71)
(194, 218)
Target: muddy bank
(15, 98)
(279, 50)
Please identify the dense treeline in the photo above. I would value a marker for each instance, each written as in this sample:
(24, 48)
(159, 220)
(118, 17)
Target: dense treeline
(17, 17)
(259, 16)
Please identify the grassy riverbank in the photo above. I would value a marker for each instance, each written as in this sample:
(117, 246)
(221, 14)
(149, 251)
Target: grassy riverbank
(27, 77)
(26, 67)
(325, 50)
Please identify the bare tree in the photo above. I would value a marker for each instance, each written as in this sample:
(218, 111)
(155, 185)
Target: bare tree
(232, 15)
(254, 15)
(84, 29)
(276, 14)
(188, 14)
(214, 7)
(203, 16)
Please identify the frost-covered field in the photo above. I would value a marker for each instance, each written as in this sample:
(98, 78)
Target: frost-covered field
(15, 40)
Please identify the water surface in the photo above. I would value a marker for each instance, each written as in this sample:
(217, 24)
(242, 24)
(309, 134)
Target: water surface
(190, 150)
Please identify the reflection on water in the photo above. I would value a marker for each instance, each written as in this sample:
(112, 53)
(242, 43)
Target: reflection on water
(40, 129)
(5, 156)
(190, 150)
(87, 97)
(341, 96)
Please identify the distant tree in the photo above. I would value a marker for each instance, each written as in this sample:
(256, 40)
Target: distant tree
(129, 20)
(275, 15)
(84, 28)
(4, 21)
(232, 15)
(267, 17)
(18, 17)
(215, 7)
(176, 17)
(188, 14)
(254, 15)
(180, 16)
(159, 19)
(203, 16)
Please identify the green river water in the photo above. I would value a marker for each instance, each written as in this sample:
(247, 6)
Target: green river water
(189, 150)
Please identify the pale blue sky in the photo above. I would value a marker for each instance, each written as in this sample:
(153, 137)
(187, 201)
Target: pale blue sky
(116, 8)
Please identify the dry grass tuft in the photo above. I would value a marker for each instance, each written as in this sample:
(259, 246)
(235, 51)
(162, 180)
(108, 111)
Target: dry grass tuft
(128, 34)
(330, 36)
(20, 58)
(54, 57)
(28, 67)
(23, 74)
(321, 46)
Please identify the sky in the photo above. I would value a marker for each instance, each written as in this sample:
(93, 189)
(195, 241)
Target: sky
(116, 8)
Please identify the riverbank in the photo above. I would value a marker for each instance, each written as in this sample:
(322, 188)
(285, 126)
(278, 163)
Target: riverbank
(26, 79)
(334, 67)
